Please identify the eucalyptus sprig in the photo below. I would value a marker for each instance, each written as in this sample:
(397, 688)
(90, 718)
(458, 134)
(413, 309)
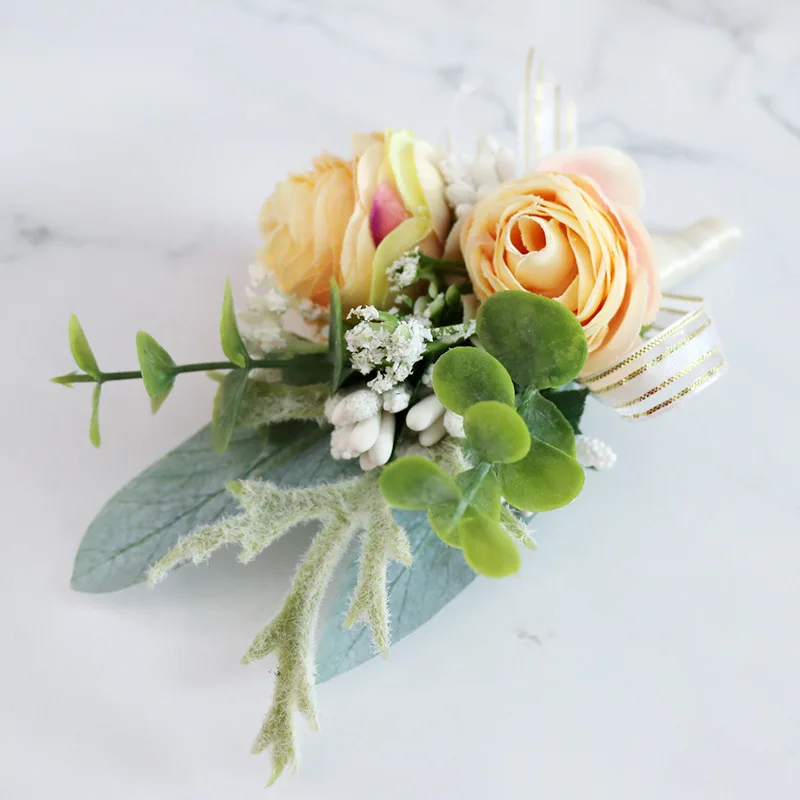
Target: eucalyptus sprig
(158, 370)
(523, 446)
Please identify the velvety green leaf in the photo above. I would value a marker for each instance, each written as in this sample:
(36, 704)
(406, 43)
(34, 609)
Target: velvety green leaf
(186, 488)
(571, 403)
(539, 341)
(81, 352)
(156, 364)
(94, 423)
(336, 343)
(226, 407)
(496, 432)
(232, 344)
(415, 483)
(486, 501)
(546, 422)
(437, 575)
(545, 479)
(487, 548)
(464, 376)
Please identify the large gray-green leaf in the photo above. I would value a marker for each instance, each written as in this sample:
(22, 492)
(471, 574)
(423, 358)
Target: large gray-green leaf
(436, 576)
(185, 489)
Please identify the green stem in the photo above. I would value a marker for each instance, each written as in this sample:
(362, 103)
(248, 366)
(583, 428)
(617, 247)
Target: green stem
(481, 471)
(205, 366)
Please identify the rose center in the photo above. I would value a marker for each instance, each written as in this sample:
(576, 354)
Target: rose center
(539, 254)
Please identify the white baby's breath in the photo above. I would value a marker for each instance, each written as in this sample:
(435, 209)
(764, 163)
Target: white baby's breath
(404, 271)
(366, 313)
(263, 321)
(391, 352)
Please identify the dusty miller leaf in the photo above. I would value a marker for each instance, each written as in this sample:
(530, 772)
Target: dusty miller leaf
(437, 575)
(185, 489)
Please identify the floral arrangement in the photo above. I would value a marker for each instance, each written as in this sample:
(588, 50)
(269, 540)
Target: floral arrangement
(408, 372)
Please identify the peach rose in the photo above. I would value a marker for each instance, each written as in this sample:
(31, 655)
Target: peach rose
(303, 223)
(570, 231)
(351, 220)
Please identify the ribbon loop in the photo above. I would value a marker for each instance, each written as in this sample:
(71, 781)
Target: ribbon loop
(678, 359)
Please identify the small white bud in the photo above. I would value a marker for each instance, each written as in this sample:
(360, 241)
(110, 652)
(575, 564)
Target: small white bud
(454, 424)
(433, 433)
(483, 170)
(397, 398)
(463, 209)
(365, 434)
(460, 192)
(340, 443)
(424, 413)
(366, 462)
(381, 451)
(331, 404)
(356, 406)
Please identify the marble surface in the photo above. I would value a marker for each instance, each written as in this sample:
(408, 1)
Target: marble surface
(649, 649)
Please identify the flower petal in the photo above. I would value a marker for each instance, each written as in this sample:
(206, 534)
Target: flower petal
(612, 170)
(387, 212)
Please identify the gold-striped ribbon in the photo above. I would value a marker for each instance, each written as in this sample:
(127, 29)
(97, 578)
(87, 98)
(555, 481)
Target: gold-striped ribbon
(681, 355)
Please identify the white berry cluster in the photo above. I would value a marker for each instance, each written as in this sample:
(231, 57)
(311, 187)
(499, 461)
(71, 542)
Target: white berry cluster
(593, 453)
(364, 422)
(469, 178)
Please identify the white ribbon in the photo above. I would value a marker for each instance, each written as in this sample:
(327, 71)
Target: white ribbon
(681, 356)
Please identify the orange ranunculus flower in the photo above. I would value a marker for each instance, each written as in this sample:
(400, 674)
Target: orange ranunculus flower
(350, 220)
(570, 231)
(303, 224)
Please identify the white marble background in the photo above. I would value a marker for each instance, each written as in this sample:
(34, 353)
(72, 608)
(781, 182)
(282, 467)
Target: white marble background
(649, 650)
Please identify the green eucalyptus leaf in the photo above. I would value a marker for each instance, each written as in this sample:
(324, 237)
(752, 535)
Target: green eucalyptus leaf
(81, 352)
(158, 401)
(414, 483)
(227, 403)
(232, 343)
(546, 422)
(65, 380)
(464, 376)
(437, 575)
(539, 341)
(496, 432)
(547, 478)
(94, 423)
(570, 402)
(156, 364)
(487, 548)
(336, 343)
(486, 501)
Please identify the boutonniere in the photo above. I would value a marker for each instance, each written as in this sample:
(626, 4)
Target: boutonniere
(408, 372)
